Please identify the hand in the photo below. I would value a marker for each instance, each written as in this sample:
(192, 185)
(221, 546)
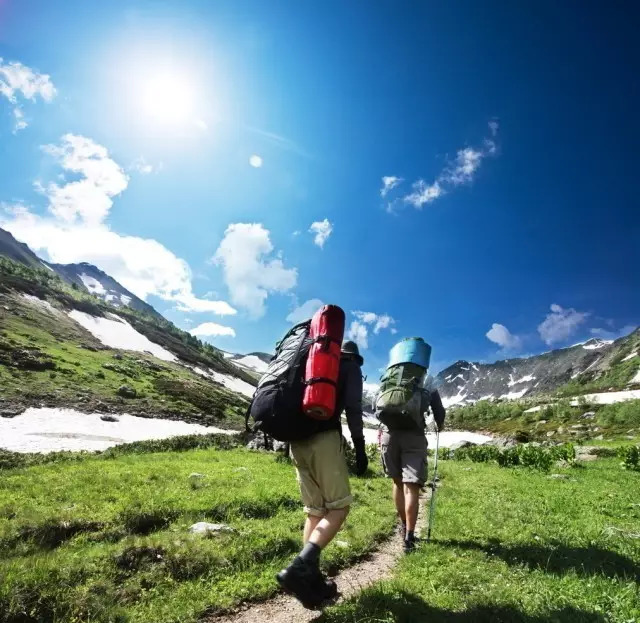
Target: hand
(362, 461)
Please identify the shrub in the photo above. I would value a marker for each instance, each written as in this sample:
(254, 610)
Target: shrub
(535, 457)
(630, 457)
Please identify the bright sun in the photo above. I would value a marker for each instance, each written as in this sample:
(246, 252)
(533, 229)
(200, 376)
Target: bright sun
(167, 98)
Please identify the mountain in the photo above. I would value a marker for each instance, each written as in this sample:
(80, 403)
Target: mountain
(595, 365)
(83, 276)
(90, 348)
(18, 251)
(98, 283)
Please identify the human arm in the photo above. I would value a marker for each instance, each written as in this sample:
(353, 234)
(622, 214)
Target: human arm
(437, 408)
(353, 411)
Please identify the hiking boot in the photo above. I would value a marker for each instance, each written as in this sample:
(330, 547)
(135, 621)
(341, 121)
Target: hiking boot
(411, 544)
(305, 583)
(329, 588)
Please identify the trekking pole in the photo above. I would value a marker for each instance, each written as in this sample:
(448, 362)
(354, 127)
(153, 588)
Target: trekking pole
(432, 506)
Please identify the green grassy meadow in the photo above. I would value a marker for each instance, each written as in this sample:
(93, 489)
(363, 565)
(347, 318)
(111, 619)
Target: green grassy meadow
(519, 545)
(106, 539)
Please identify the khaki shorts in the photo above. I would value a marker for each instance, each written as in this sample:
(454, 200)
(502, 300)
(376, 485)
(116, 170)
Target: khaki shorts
(322, 472)
(404, 455)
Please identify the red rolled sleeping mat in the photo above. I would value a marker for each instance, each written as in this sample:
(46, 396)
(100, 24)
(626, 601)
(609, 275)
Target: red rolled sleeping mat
(323, 363)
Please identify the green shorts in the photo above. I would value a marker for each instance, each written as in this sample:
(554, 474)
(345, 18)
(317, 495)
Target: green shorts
(322, 472)
(404, 455)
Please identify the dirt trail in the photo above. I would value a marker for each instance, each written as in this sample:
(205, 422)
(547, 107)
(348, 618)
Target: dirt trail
(285, 609)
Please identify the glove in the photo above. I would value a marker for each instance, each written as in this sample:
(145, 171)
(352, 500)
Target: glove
(362, 462)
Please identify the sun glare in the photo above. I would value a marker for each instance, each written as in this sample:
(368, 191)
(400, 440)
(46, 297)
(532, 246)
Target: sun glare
(167, 98)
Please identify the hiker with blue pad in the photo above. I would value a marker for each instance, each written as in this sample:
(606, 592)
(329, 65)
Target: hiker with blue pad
(405, 397)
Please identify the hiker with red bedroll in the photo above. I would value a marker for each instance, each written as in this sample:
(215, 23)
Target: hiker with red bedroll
(312, 379)
(404, 398)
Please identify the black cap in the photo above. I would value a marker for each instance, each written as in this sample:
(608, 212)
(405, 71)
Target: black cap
(351, 348)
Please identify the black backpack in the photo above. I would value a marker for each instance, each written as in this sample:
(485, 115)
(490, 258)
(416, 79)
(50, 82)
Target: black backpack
(276, 407)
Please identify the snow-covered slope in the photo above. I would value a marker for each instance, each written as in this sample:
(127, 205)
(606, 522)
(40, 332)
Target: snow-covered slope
(116, 332)
(255, 362)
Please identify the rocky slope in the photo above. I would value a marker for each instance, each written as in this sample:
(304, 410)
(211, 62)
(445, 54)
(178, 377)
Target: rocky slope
(597, 365)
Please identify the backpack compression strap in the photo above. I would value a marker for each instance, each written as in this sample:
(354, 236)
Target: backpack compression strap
(320, 379)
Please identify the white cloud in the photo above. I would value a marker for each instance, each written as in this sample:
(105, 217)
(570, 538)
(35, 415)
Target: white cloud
(212, 329)
(607, 334)
(461, 171)
(560, 324)
(423, 193)
(249, 271)
(466, 164)
(389, 182)
(304, 311)
(89, 198)
(322, 231)
(74, 230)
(17, 81)
(376, 321)
(500, 335)
(359, 329)
(255, 161)
(359, 333)
(143, 167)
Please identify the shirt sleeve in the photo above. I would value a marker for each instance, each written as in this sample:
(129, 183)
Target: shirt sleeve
(437, 408)
(353, 402)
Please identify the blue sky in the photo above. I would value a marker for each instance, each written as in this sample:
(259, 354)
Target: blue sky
(514, 130)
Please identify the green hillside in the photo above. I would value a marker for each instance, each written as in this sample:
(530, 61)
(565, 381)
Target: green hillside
(47, 359)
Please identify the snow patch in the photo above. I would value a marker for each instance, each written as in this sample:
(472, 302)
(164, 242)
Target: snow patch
(230, 382)
(115, 332)
(92, 284)
(45, 305)
(515, 395)
(607, 398)
(597, 344)
(47, 266)
(525, 379)
(52, 430)
(125, 299)
(447, 438)
(487, 397)
(253, 362)
(635, 379)
(454, 400)
(475, 367)
(631, 356)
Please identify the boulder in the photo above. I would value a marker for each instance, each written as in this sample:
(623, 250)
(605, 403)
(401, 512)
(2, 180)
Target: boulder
(126, 391)
(462, 444)
(501, 442)
(109, 418)
(204, 527)
(264, 442)
(589, 415)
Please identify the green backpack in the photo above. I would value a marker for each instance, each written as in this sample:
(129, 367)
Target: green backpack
(399, 400)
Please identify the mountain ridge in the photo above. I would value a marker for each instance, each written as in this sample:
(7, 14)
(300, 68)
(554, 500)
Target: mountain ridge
(81, 275)
(586, 364)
